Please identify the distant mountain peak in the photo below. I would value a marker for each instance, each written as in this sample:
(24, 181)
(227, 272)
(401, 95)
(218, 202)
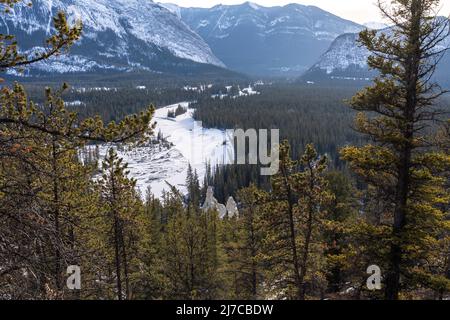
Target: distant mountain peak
(253, 5)
(117, 35)
(346, 59)
(267, 40)
(376, 25)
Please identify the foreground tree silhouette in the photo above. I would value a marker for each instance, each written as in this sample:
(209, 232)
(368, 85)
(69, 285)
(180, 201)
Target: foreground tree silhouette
(396, 113)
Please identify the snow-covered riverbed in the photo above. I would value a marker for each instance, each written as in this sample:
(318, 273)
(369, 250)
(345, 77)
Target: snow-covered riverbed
(152, 166)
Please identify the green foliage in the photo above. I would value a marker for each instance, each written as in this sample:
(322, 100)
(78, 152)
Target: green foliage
(342, 215)
(305, 233)
(191, 256)
(243, 239)
(404, 168)
(294, 220)
(64, 37)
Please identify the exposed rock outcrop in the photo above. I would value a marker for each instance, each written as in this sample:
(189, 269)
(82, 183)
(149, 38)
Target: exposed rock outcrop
(232, 208)
(211, 203)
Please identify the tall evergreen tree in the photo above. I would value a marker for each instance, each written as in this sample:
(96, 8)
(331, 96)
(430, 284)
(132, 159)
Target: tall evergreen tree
(191, 257)
(121, 207)
(394, 113)
(46, 193)
(193, 187)
(295, 218)
(342, 213)
(249, 245)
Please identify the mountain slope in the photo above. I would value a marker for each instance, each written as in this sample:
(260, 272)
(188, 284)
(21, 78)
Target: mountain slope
(376, 25)
(118, 35)
(266, 40)
(347, 59)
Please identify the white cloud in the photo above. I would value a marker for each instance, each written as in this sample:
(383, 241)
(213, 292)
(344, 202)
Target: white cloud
(356, 10)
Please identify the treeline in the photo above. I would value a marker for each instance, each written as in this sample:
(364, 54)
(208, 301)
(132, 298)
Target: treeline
(310, 237)
(114, 103)
(303, 114)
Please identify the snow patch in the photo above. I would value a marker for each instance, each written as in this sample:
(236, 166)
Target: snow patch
(153, 166)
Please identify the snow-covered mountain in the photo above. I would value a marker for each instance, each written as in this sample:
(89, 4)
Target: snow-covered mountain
(346, 59)
(375, 25)
(117, 35)
(266, 40)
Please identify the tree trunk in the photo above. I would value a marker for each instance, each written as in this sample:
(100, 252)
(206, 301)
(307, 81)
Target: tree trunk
(56, 214)
(304, 265)
(125, 264)
(293, 236)
(116, 237)
(412, 67)
(308, 235)
(117, 256)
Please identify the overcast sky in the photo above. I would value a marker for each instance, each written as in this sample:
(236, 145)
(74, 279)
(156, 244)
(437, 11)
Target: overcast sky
(356, 10)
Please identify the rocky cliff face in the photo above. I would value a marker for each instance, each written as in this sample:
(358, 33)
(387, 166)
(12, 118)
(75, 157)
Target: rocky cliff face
(118, 35)
(346, 59)
(266, 40)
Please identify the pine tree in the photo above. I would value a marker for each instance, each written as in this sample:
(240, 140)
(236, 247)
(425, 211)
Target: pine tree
(46, 197)
(400, 166)
(295, 218)
(149, 279)
(121, 207)
(342, 214)
(244, 249)
(193, 187)
(191, 253)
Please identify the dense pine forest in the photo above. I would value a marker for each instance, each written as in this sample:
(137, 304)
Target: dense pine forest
(304, 114)
(363, 180)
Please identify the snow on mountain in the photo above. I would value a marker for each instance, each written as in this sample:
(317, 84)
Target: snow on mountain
(347, 59)
(290, 19)
(266, 40)
(153, 165)
(117, 34)
(175, 9)
(343, 54)
(375, 25)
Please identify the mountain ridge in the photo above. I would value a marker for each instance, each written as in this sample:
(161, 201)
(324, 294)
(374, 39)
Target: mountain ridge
(250, 38)
(347, 59)
(119, 35)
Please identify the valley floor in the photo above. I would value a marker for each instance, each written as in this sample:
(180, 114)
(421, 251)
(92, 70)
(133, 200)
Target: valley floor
(157, 166)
